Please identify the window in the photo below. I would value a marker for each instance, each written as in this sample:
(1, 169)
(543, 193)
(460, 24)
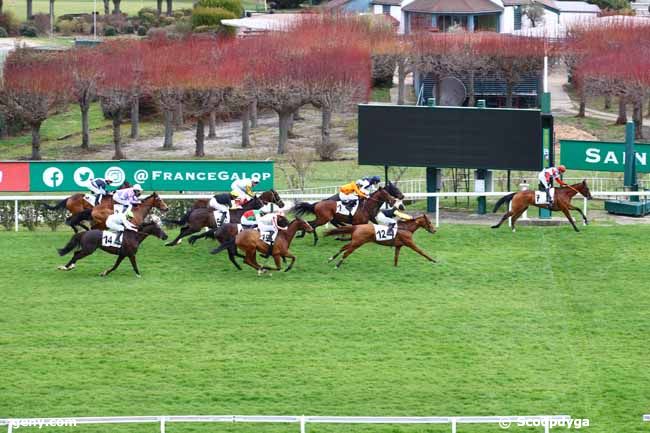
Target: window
(518, 18)
(385, 9)
(420, 22)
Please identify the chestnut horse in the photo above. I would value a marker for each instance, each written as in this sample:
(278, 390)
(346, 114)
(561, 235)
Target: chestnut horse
(75, 204)
(140, 211)
(325, 210)
(364, 233)
(562, 202)
(250, 243)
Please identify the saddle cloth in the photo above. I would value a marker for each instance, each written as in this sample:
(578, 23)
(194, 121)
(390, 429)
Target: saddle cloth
(268, 237)
(540, 196)
(384, 233)
(111, 239)
(121, 208)
(341, 209)
(91, 199)
(217, 218)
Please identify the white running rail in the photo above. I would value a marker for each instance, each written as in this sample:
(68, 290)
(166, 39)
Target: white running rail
(545, 421)
(314, 197)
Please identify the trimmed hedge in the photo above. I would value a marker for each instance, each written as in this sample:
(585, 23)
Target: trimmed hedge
(233, 6)
(210, 16)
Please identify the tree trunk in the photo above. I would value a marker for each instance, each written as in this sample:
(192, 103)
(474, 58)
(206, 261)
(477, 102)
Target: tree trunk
(297, 116)
(107, 7)
(471, 93)
(200, 137)
(85, 126)
(583, 104)
(608, 102)
(648, 115)
(159, 6)
(326, 115)
(116, 7)
(135, 117)
(285, 119)
(438, 90)
(30, 10)
(254, 114)
(36, 141)
(622, 112)
(509, 90)
(117, 136)
(169, 130)
(212, 122)
(170, 8)
(1, 6)
(51, 16)
(178, 116)
(246, 127)
(401, 82)
(638, 119)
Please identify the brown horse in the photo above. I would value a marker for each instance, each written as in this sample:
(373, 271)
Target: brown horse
(88, 242)
(364, 233)
(140, 211)
(204, 217)
(250, 243)
(325, 210)
(76, 205)
(270, 196)
(562, 202)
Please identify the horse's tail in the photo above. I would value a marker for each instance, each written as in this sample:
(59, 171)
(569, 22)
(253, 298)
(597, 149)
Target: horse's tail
(180, 222)
(59, 205)
(303, 207)
(72, 244)
(224, 246)
(502, 200)
(344, 230)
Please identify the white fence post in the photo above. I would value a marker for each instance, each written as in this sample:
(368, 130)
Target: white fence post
(584, 205)
(162, 424)
(437, 212)
(453, 425)
(302, 424)
(547, 427)
(10, 426)
(15, 225)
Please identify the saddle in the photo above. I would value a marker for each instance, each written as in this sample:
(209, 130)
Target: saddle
(112, 239)
(220, 218)
(384, 233)
(348, 208)
(540, 197)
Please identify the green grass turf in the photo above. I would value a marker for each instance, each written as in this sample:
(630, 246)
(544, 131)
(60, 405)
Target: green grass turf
(541, 321)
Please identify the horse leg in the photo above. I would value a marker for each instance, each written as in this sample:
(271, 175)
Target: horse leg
(250, 260)
(409, 243)
(187, 230)
(503, 218)
(117, 263)
(349, 250)
(584, 217)
(195, 238)
(278, 264)
(343, 248)
(397, 249)
(515, 217)
(78, 255)
(231, 257)
(567, 213)
(134, 265)
(293, 260)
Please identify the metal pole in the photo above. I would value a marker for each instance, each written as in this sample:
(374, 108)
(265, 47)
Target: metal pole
(15, 225)
(547, 427)
(438, 212)
(95, 19)
(162, 424)
(509, 210)
(302, 424)
(10, 426)
(453, 425)
(545, 74)
(584, 205)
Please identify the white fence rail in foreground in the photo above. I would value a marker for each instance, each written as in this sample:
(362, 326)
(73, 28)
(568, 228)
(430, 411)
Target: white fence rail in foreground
(504, 422)
(313, 197)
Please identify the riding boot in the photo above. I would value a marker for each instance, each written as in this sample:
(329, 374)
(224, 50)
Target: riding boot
(549, 200)
(269, 251)
(118, 238)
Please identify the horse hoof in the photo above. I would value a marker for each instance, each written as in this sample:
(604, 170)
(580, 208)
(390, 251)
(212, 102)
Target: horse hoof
(103, 274)
(330, 259)
(62, 268)
(494, 227)
(138, 276)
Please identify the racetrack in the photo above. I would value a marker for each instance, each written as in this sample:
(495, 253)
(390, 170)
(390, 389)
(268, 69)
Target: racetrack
(540, 321)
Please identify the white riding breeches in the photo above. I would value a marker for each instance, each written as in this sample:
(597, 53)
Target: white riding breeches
(542, 180)
(347, 197)
(214, 204)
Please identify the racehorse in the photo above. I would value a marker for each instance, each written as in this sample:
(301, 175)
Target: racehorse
(88, 242)
(250, 243)
(270, 196)
(364, 233)
(140, 211)
(562, 202)
(76, 205)
(325, 210)
(204, 217)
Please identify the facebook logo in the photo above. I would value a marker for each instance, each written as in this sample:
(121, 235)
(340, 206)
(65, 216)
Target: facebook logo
(52, 177)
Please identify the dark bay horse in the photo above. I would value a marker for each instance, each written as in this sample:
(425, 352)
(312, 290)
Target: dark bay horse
(76, 205)
(204, 217)
(250, 243)
(88, 242)
(325, 210)
(270, 196)
(364, 233)
(140, 211)
(562, 202)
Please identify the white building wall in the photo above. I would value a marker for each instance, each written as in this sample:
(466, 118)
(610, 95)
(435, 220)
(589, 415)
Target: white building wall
(507, 20)
(550, 24)
(567, 19)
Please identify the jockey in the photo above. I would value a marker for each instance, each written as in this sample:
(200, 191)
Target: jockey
(369, 184)
(391, 217)
(546, 178)
(222, 204)
(350, 192)
(98, 188)
(269, 225)
(118, 222)
(242, 190)
(128, 196)
(249, 218)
